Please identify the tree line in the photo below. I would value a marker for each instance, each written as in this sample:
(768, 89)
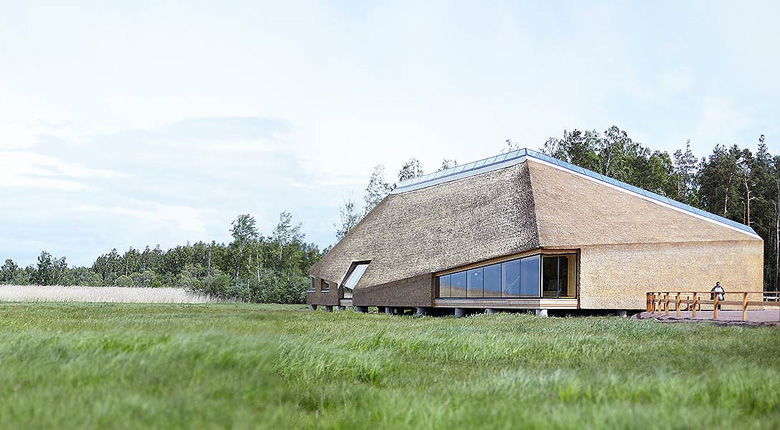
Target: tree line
(252, 267)
(732, 181)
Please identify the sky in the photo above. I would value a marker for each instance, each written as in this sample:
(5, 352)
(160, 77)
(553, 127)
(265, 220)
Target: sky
(133, 123)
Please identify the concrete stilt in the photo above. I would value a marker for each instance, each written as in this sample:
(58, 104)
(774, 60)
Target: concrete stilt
(328, 308)
(460, 312)
(622, 313)
(541, 312)
(313, 307)
(388, 310)
(342, 308)
(420, 312)
(490, 311)
(361, 309)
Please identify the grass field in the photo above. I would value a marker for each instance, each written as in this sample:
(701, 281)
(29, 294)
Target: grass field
(69, 365)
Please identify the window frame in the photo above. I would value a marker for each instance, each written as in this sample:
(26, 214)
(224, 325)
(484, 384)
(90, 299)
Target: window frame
(571, 274)
(352, 267)
(573, 256)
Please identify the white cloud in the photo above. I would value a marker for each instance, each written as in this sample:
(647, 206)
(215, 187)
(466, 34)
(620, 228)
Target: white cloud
(33, 170)
(173, 118)
(187, 219)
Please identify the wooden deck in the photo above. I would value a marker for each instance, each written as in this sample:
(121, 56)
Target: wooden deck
(687, 304)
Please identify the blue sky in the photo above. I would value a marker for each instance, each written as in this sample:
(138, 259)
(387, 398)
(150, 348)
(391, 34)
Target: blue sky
(133, 123)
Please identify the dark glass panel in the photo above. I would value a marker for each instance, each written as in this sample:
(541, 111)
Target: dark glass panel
(550, 279)
(563, 275)
(458, 284)
(511, 278)
(569, 288)
(476, 283)
(444, 286)
(529, 276)
(492, 275)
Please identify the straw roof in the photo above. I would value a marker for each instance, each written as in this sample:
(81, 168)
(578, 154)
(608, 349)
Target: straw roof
(511, 206)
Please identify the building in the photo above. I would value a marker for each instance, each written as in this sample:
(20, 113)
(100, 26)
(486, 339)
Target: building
(526, 231)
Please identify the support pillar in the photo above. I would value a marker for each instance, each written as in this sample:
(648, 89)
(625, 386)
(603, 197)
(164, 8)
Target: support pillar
(622, 313)
(313, 307)
(460, 312)
(361, 309)
(420, 312)
(342, 308)
(541, 313)
(388, 310)
(490, 311)
(328, 308)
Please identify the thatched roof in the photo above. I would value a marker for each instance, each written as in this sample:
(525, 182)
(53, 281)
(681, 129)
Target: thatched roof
(505, 205)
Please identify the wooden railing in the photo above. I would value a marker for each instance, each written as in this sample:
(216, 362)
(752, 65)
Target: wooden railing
(661, 302)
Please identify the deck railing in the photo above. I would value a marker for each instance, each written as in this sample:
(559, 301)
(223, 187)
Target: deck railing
(661, 302)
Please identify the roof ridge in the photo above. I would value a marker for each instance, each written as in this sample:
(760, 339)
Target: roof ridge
(521, 155)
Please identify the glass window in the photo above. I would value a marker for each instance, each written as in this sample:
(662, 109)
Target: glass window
(458, 284)
(444, 286)
(559, 276)
(324, 286)
(529, 276)
(312, 285)
(476, 283)
(354, 277)
(356, 271)
(571, 276)
(511, 278)
(492, 279)
(550, 279)
(552, 276)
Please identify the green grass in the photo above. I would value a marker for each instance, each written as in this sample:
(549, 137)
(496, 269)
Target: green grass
(251, 366)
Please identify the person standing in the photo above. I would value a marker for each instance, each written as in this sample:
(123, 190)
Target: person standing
(717, 289)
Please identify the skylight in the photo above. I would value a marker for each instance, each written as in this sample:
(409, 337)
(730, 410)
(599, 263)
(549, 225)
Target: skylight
(357, 272)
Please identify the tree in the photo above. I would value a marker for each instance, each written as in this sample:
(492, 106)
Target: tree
(349, 218)
(575, 147)
(410, 169)
(285, 237)
(509, 146)
(378, 188)
(243, 231)
(49, 270)
(8, 271)
(718, 177)
(447, 164)
(685, 174)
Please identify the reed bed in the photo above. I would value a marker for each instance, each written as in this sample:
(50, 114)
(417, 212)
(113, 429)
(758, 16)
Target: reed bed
(60, 293)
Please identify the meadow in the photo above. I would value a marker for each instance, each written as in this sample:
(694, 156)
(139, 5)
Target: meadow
(89, 365)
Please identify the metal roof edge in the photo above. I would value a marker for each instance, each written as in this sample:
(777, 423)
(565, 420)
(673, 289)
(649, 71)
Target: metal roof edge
(516, 157)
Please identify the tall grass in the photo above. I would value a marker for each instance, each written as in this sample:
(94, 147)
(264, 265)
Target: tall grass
(249, 366)
(60, 293)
